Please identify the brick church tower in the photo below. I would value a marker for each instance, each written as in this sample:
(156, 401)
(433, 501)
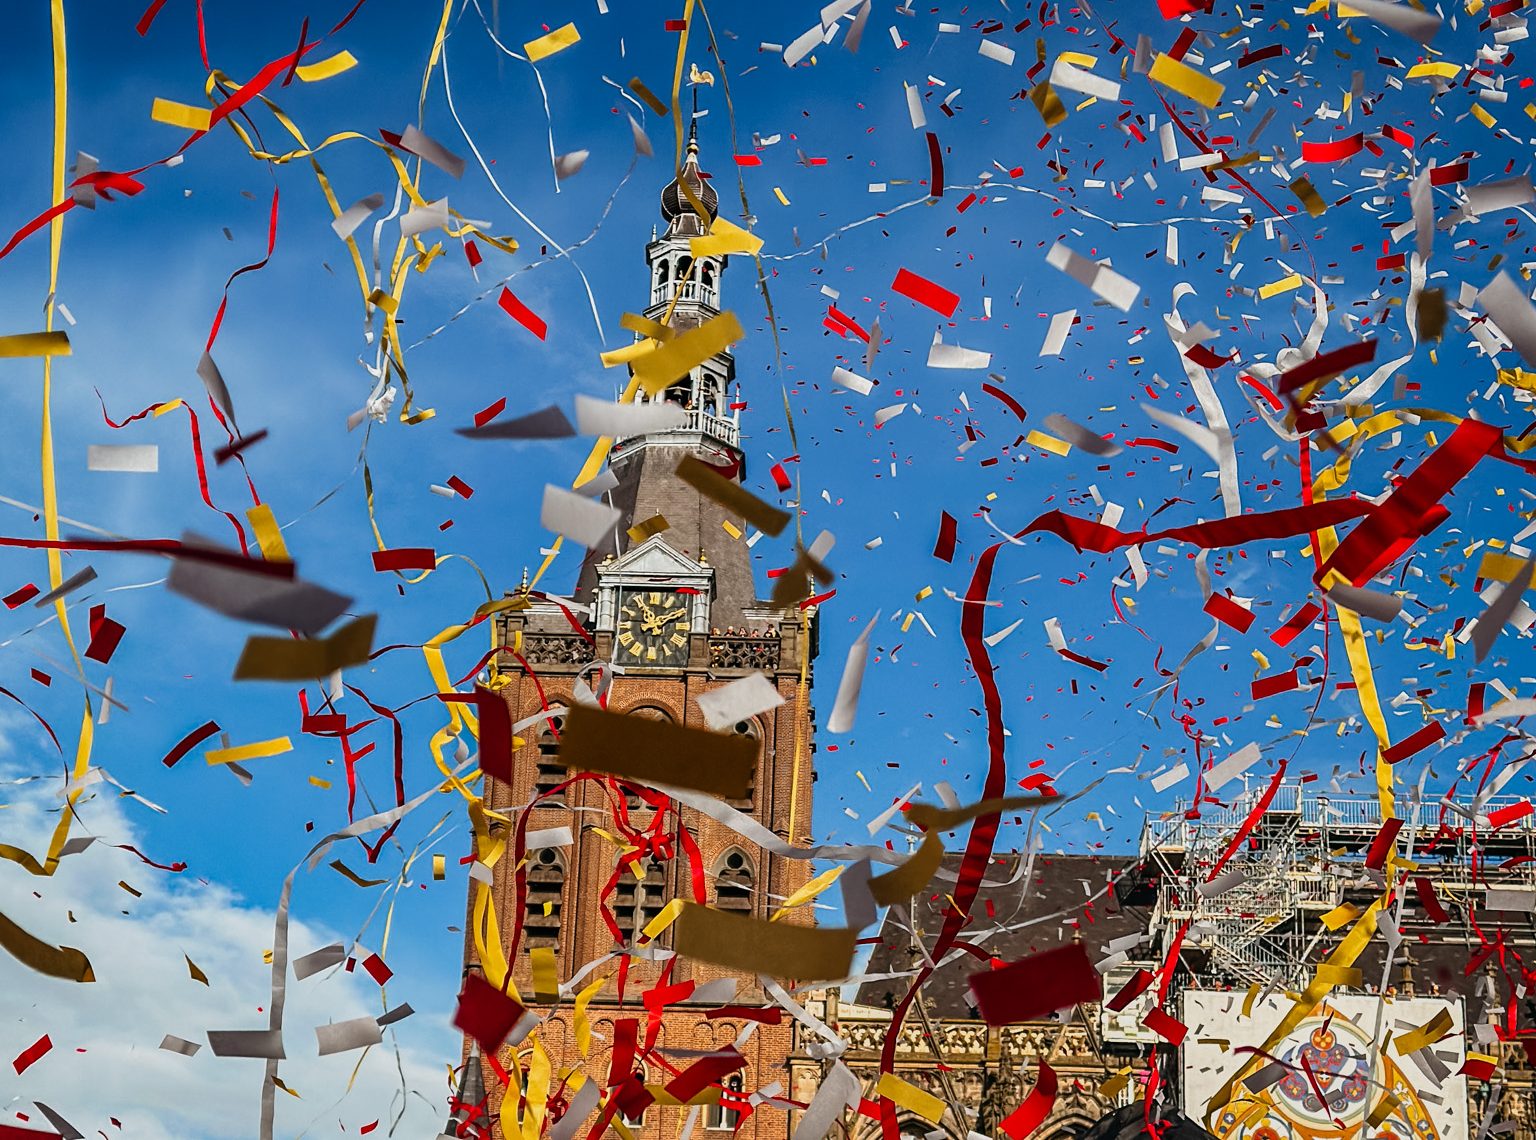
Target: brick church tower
(677, 614)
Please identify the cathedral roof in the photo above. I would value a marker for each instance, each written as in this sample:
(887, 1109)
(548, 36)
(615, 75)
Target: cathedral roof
(681, 217)
(1057, 883)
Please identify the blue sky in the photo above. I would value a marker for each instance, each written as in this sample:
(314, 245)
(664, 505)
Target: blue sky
(142, 278)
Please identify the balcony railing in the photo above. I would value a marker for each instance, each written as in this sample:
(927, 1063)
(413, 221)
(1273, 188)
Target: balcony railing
(556, 649)
(691, 291)
(703, 423)
(727, 652)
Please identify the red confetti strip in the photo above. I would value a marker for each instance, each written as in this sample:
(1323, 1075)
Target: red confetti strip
(1129, 992)
(944, 547)
(487, 414)
(1228, 612)
(32, 1054)
(486, 1013)
(189, 742)
(224, 454)
(780, 477)
(1327, 364)
(1087, 535)
(463, 488)
(1037, 986)
(522, 314)
(1426, 892)
(935, 167)
(1416, 743)
(1376, 854)
(847, 322)
(405, 558)
(1505, 816)
(148, 18)
(377, 970)
(1271, 686)
(20, 597)
(495, 734)
(1165, 1025)
(925, 292)
(1013, 405)
(105, 636)
(1023, 1121)
(1298, 621)
(1336, 151)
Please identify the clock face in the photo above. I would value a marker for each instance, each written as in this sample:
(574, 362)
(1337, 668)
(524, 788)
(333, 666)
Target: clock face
(653, 628)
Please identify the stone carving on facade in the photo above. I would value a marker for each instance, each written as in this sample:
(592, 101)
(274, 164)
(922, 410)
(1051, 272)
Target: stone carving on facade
(727, 652)
(556, 649)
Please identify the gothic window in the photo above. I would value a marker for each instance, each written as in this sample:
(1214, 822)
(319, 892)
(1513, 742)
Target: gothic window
(637, 901)
(551, 772)
(748, 728)
(720, 1117)
(541, 917)
(734, 882)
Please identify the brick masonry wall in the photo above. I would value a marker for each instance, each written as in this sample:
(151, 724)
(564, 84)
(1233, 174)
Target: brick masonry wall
(591, 861)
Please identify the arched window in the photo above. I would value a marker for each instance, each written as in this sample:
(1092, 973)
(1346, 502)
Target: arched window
(734, 881)
(663, 271)
(541, 915)
(723, 1117)
(748, 728)
(551, 772)
(637, 901)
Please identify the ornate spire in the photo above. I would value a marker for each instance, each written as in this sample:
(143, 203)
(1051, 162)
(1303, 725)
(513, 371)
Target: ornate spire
(682, 218)
(469, 1101)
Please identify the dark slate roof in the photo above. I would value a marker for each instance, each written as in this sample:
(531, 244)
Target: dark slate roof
(1057, 883)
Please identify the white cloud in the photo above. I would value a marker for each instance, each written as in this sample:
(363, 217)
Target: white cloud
(106, 1061)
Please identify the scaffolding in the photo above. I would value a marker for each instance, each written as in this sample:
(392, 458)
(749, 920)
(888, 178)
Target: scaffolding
(1305, 856)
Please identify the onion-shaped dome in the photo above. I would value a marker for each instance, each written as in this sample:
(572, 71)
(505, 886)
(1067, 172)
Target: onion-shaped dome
(681, 217)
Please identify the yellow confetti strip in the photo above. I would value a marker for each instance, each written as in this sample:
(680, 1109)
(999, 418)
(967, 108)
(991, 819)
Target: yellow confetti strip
(1341, 915)
(556, 41)
(1434, 71)
(725, 237)
(1427, 1034)
(1186, 80)
(910, 1097)
(181, 115)
(779, 194)
(326, 68)
(656, 370)
(666, 918)
(1284, 285)
(1048, 443)
(260, 750)
(270, 538)
(545, 973)
(35, 344)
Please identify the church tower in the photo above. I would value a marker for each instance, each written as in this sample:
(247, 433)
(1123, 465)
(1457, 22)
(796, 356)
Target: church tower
(676, 613)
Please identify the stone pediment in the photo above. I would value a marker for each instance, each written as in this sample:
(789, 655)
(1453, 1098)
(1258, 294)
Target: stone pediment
(653, 558)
